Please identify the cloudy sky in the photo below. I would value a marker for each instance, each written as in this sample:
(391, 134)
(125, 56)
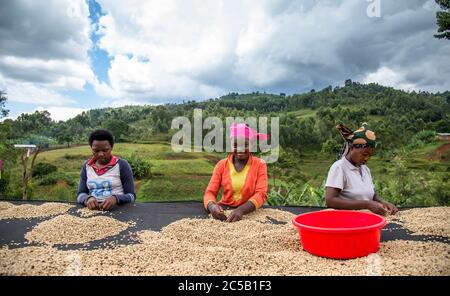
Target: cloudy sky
(66, 56)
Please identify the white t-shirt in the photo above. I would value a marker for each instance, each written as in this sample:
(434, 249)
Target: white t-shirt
(355, 183)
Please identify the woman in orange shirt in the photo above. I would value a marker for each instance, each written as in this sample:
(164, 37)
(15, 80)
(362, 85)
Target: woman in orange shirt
(242, 176)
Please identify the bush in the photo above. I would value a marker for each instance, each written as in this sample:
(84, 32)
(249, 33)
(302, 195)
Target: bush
(3, 186)
(53, 178)
(425, 136)
(331, 146)
(141, 168)
(61, 192)
(410, 188)
(75, 156)
(297, 195)
(421, 139)
(43, 169)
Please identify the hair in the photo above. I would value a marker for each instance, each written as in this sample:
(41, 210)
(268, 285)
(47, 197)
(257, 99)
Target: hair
(345, 149)
(101, 135)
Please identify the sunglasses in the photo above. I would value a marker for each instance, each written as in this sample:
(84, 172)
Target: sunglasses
(364, 145)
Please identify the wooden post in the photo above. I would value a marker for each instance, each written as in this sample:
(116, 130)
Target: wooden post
(27, 173)
(24, 159)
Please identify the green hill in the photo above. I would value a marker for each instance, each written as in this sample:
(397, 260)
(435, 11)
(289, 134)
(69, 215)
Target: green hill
(405, 123)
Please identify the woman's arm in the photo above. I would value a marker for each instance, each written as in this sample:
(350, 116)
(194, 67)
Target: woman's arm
(391, 207)
(213, 188)
(126, 177)
(83, 190)
(240, 211)
(333, 200)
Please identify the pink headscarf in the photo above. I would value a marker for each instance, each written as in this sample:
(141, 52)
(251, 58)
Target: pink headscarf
(243, 130)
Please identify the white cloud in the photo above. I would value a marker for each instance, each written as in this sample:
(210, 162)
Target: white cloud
(61, 113)
(166, 51)
(388, 77)
(24, 92)
(57, 74)
(44, 50)
(57, 113)
(178, 49)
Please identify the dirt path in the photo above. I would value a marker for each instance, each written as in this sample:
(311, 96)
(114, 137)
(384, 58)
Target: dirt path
(441, 152)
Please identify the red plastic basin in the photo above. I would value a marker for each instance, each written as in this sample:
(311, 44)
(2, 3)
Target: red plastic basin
(340, 234)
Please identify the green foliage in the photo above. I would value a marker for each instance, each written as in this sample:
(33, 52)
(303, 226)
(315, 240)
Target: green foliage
(9, 156)
(295, 194)
(43, 168)
(331, 147)
(36, 122)
(421, 139)
(62, 193)
(3, 186)
(412, 188)
(443, 19)
(35, 139)
(6, 130)
(141, 168)
(3, 112)
(427, 137)
(74, 156)
(306, 120)
(55, 177)
(117, 127)
(173, 188)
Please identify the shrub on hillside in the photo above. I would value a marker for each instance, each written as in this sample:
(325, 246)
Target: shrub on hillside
(141, 168)
(53, 178)
(43, 169)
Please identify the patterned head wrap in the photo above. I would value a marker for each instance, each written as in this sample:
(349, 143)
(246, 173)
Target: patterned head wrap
(360, 138)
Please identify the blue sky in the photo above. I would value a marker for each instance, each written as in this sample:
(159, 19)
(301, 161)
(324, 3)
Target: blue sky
(93, 54)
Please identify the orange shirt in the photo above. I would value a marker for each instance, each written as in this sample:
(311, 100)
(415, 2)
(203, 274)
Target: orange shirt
(254, 188)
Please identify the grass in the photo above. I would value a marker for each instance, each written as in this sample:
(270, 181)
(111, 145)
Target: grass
(173, 188)
(304, 113)
(176, 176)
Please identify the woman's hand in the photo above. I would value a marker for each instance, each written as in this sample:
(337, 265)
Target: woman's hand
(108, 203)
(377, 208)
(235, 215)
(216, 211)
(92, 203)
(392, 209)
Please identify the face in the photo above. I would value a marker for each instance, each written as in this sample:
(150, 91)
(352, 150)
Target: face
(244, 152)
(361, 156)
(101, 151)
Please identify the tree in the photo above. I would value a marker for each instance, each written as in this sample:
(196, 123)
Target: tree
(6, 130)
(160, 119)
(9, 157)
(443, 19)
(63, 133)
(38, 122)
(117, 127)
(3, 111)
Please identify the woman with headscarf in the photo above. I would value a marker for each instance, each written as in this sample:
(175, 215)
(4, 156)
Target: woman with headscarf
(349, 183)
(242, 176)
